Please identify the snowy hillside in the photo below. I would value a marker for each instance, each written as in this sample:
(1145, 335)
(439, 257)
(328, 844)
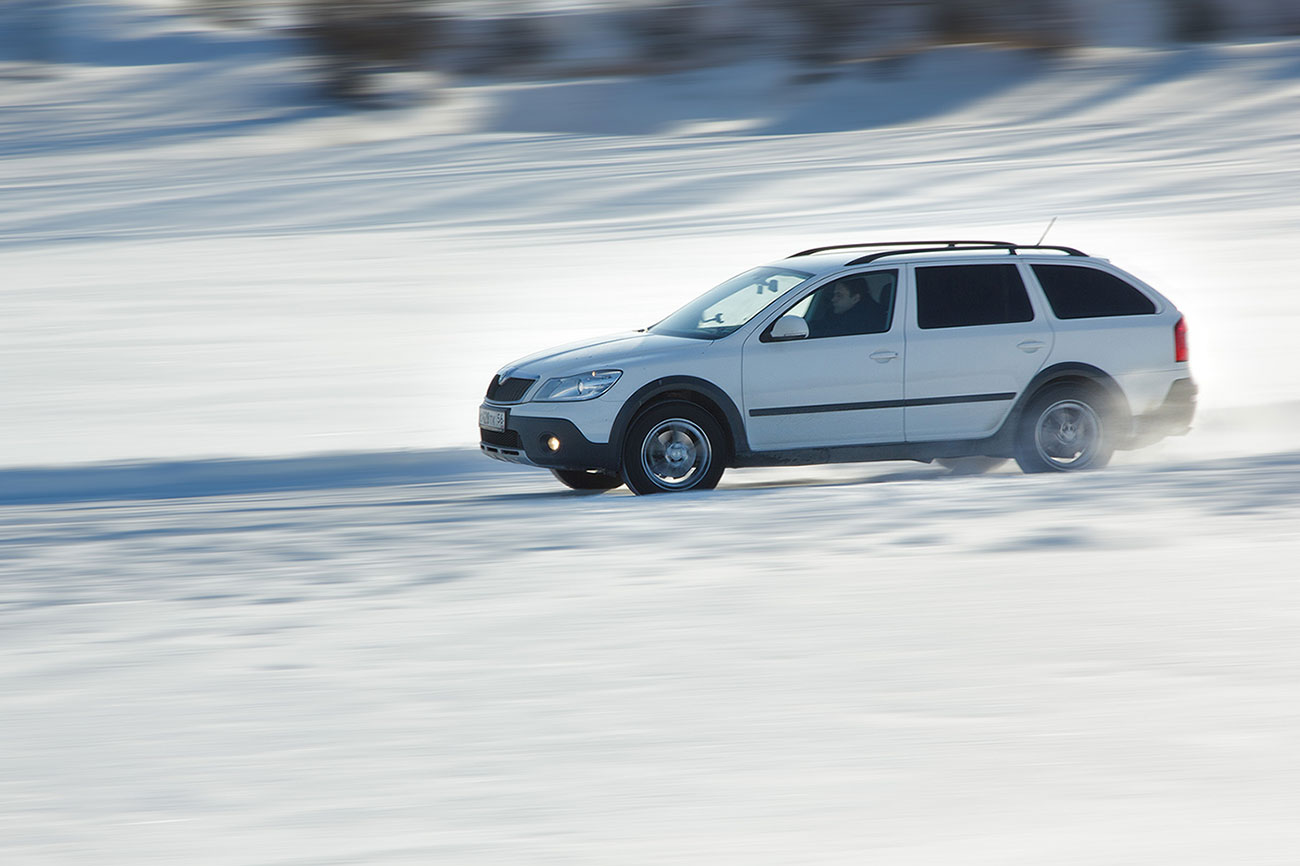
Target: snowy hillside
(263, 603)
(202, 261)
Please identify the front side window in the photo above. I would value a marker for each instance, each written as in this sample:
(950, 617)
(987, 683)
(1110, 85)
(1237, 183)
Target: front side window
(956, 296)
(856, 304)
(723, 309)
(1077, 292)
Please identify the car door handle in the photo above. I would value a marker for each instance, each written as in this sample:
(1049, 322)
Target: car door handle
(1030, 346)
(883, 357)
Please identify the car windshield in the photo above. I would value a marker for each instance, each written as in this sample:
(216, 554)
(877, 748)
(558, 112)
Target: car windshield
(723, 309)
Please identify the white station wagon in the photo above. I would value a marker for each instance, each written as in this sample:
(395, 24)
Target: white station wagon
(965, 352)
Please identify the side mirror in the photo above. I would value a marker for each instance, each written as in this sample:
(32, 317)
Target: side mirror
(789, 328)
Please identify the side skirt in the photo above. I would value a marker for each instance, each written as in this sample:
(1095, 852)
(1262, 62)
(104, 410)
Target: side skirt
(998, 445)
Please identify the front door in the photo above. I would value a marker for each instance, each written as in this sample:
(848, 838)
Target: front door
(840, 385)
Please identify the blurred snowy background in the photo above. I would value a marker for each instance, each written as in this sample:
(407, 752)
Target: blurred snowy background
(263, 603)
(212, 247)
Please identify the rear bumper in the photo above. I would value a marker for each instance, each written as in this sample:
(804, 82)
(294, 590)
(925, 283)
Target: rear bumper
(525, 441)
(1172, 418)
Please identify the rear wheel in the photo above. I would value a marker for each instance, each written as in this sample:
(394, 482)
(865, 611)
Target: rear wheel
(1064, 429)
(584, 479)
(674, 447)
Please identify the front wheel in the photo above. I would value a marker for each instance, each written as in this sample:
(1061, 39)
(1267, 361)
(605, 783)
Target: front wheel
(1064, 429)
(581, 479)
(673, 447)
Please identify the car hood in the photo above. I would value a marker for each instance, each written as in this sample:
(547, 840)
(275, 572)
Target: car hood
(616, 351)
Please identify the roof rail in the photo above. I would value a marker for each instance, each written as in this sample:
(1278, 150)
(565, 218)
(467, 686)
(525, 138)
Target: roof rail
(935, 247)
(1012, 249)
(900, 244)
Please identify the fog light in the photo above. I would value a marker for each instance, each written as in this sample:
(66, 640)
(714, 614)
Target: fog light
(552, 443)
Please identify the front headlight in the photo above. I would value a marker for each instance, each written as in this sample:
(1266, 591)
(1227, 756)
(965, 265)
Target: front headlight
(585, 386)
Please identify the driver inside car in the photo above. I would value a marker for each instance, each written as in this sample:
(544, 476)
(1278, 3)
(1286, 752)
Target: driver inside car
(851, 310)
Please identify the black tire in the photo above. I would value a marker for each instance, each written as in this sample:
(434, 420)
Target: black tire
(588, 480)
(970, 465)
(673, 447)
(1066, 428)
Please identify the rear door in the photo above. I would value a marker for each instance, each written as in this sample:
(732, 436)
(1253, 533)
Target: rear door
(975, 338)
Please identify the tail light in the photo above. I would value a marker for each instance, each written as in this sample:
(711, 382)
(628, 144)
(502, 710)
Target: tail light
(1180, 340)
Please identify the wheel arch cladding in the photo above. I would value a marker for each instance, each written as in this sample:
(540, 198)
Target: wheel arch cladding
(701, 392)
(1085, 376)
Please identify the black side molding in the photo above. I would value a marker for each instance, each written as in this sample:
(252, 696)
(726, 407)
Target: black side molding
(881, 404)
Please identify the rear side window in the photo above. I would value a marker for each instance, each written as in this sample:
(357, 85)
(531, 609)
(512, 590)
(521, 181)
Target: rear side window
(1085, 293)
(954, 296)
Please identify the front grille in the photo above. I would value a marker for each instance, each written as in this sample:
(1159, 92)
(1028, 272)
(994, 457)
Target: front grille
(506, 439)
(508, 391)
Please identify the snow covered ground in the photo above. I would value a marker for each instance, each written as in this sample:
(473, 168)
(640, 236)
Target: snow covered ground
(262, 603)
(880, 664)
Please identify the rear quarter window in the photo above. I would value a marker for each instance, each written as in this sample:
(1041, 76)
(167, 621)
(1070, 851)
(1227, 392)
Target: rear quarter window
(1077, 292)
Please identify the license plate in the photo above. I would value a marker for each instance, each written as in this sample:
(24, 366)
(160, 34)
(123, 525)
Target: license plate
(491, 419)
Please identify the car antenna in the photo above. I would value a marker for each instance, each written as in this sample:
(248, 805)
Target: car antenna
(1046, 230)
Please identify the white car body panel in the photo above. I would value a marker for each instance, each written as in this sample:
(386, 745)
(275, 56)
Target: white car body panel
(1136, 351)
(635, 349)
(969, 362)
(790, 387)
(642, 357)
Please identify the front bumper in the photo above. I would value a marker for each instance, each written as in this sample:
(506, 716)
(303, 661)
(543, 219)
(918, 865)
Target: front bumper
(525, 440)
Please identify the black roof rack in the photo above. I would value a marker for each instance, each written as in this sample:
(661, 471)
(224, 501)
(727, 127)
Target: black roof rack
(1012, 249)
(899, 244)
(935, 247)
